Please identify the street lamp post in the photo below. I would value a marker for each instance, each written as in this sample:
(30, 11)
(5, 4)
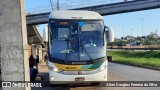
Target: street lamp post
(131, 31)
(142, 26)
(123, 30)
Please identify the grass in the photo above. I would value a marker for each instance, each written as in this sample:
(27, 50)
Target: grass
(143, 59)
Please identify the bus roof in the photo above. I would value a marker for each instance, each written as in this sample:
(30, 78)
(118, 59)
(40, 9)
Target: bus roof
(74, 14)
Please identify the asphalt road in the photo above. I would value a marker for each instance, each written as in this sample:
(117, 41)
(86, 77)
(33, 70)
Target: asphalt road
(118, 72)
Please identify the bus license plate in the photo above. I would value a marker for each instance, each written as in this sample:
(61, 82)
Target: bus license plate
(79, 79)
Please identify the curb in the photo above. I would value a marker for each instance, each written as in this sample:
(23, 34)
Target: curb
(152, 68)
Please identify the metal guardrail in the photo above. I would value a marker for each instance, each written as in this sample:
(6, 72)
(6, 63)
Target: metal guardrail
(145, 49)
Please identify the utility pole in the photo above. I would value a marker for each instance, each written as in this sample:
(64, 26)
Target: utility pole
(51, 4)
(13, 43)
(58, 8)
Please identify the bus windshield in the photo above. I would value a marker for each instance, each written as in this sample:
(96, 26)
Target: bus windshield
(76, 40)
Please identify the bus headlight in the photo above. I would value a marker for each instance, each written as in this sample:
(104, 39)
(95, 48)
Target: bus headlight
(53, 69)
(102, 68)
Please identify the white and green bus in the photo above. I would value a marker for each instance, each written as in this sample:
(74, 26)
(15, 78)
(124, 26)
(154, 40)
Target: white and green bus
(76, 47)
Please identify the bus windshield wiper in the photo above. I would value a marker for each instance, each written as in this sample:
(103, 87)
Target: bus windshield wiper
(84, 49)
(81, 46)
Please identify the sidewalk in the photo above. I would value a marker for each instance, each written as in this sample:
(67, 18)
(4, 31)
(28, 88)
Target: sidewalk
(43, 72)
(42, 68)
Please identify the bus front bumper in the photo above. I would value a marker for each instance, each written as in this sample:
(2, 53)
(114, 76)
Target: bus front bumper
(57, 78)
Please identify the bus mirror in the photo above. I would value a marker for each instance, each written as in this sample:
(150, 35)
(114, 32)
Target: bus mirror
(109, 34)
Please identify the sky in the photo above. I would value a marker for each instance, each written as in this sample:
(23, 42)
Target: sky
(122, 24)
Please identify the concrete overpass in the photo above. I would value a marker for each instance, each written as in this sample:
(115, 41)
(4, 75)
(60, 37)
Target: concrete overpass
(33, 36)
(106, 9)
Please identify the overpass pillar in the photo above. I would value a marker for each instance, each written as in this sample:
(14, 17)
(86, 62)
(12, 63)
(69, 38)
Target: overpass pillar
(13, 42)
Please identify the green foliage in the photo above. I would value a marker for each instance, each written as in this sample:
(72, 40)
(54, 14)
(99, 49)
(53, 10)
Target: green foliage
(151, 42)
(144, 59)
(117, 42)
(152, 39)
